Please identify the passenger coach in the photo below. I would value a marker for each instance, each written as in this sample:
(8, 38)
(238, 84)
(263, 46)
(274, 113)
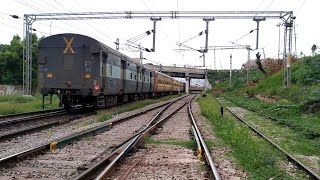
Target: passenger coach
(82, 70)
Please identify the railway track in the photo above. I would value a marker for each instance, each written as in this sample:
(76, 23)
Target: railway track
(302, 166)
(3, 118)
(74, 158)
(16, 125)
(108, 164)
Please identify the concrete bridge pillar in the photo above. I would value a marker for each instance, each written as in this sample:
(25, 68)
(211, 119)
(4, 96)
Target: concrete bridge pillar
(187, 82)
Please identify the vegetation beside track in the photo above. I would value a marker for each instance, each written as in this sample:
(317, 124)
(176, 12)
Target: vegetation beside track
(10, 104)
(253, 154)
(303, 148)
(286, 113)
(304, 90)
(108, 113)
(296, 106)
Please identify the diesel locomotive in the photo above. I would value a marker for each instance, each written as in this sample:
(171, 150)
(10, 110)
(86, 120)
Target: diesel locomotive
(82, 70)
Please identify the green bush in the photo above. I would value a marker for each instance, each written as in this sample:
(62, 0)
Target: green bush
(306, 72)
(250, 91)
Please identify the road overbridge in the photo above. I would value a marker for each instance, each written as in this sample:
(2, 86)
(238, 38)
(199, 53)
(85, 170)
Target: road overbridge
(182, 72)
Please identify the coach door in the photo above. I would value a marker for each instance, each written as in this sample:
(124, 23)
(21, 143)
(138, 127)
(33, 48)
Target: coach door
(104, 68)
(142, 79)
(149, 80)
(123, 76)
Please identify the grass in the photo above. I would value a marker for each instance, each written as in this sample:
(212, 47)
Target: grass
(109, 113)
(10, 104)
(287, 114)
(288, 139)
(252, 153)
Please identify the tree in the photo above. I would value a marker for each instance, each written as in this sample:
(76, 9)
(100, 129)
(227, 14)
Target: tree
(11, 61)
(314, 49)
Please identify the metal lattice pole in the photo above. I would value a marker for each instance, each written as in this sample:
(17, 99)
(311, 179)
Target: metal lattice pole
(27, 55)
(248, 66)
(288, 24)
(289, 52)
(285, 56)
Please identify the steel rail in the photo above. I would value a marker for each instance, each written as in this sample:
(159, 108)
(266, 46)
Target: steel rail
(28, 129)
(120, 153)
(208, 156)
(3, 117)
(68, 139)
(309, 171)
(39, 115)
(31, 118)
(255, 111)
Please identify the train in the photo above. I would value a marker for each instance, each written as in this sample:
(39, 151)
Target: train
(196, 88)
(83, 71)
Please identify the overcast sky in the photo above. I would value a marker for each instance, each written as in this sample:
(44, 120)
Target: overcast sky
(221, 32)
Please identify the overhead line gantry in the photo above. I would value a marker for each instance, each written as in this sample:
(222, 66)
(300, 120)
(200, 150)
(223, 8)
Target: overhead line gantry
(207, 16)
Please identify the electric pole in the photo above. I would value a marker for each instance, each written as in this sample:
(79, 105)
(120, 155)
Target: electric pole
(230, 69)
(295, 40)
(278, 25)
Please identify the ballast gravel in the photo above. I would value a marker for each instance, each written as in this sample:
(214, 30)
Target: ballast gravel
(35, 139)
(165, 160)
(227, 167)
(68, 162)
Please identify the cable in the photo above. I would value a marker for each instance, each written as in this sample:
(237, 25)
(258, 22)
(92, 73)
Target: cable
(300, 7)
(87, 23)
(10, 19)
(33, 7)
(166, 34)
(5, 14)
(21, 28)
(250, 30)
(140, 36)
(183, 45)
(102, 15)
(199, 34)
(36, 8)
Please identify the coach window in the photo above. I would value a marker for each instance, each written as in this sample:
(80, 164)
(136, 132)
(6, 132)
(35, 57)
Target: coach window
(130, 75)
(135, 76)
(110, 70)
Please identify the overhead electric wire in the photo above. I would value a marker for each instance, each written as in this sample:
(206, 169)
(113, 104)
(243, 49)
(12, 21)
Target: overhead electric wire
(140, 36)
(300, 7)
(87, 23)
(166, 34)
(21, 28)
(36, 8)
(10, 25)
(102, 15)
(183, 45)
(251, 30)
(199, 34)
(37, 22)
